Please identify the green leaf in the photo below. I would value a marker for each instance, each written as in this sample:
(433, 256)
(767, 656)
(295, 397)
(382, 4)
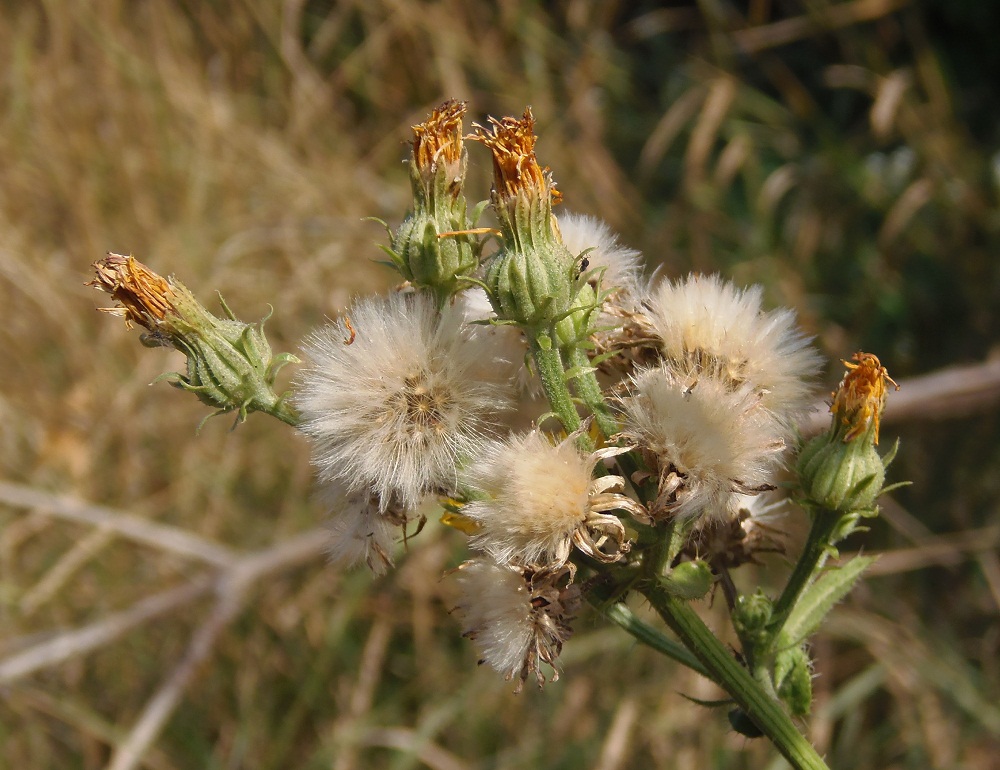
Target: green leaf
(817, 600)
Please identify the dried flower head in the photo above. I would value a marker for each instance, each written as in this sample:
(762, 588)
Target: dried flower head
(516, 173)
(389, 401)
(229, 363)
(535, 501)
(437, 142)
(709, 327)
(533, 280)
(703, 440)
(435, 247)
(860, 398)
(146, 298)
(517, 616)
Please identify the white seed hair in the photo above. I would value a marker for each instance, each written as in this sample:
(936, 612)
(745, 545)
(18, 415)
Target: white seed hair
(622, 265)
(390, 400)
(708, 326)
(534, 501)
(706, 441)
(518, 617)
(360, 533)
(503, 347)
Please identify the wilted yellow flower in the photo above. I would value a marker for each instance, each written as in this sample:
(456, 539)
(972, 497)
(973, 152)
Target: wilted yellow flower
(860, 397)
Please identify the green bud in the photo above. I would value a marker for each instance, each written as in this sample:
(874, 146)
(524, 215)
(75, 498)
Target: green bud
(689, 580)
(751, 617)
(841, 476)
(793, 679)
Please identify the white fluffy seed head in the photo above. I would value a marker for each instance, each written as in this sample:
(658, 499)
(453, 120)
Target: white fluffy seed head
(495, 609)
(705, 440)
(517, 616)
(623, 266)
(534, 497)
(710, 327)
(503, 348)
(391, 401)
(359, 532)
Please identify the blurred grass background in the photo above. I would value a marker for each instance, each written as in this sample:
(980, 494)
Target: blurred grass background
(846, 155)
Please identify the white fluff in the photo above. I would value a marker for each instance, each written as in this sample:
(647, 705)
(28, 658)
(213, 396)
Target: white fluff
(718, 441)
(710, 327)
(391, 401)
(623, 266)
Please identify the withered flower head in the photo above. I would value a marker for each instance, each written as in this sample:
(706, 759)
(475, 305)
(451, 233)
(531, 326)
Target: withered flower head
(860, 398)
(438, 140)
(840, 470)
(229, 363)
(515, 169)
(434, 247)
(534, 280)
(145, 297)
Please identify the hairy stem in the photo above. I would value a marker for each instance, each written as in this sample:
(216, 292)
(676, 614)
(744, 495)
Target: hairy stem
(765, 712)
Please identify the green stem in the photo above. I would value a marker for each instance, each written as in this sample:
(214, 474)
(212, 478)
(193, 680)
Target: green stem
(619, 614)
(723, 668)
(552, 375)
(810, 562)
(286, 413)
(589, 390)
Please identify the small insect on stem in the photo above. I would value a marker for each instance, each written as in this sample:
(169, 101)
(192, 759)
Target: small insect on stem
(347, 323)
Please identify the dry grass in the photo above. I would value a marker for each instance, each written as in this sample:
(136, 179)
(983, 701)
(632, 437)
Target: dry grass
(827, 154)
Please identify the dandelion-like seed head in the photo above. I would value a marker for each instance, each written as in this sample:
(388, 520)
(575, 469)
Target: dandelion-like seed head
(389, 401)
(703, 440)
(518, 617)
(710, 327)
(537, 500)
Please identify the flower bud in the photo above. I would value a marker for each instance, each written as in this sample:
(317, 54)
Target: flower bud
(533, 280)
(841, 470)
(751, 617)
(229, 363)
(793, 679)
(689, 580)
(433, 247)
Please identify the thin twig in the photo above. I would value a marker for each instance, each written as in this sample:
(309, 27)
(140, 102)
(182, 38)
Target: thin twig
(411, 742)
(160, 707)
(787, 31)
(159, 536)
(72, 644)
(233, 589)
